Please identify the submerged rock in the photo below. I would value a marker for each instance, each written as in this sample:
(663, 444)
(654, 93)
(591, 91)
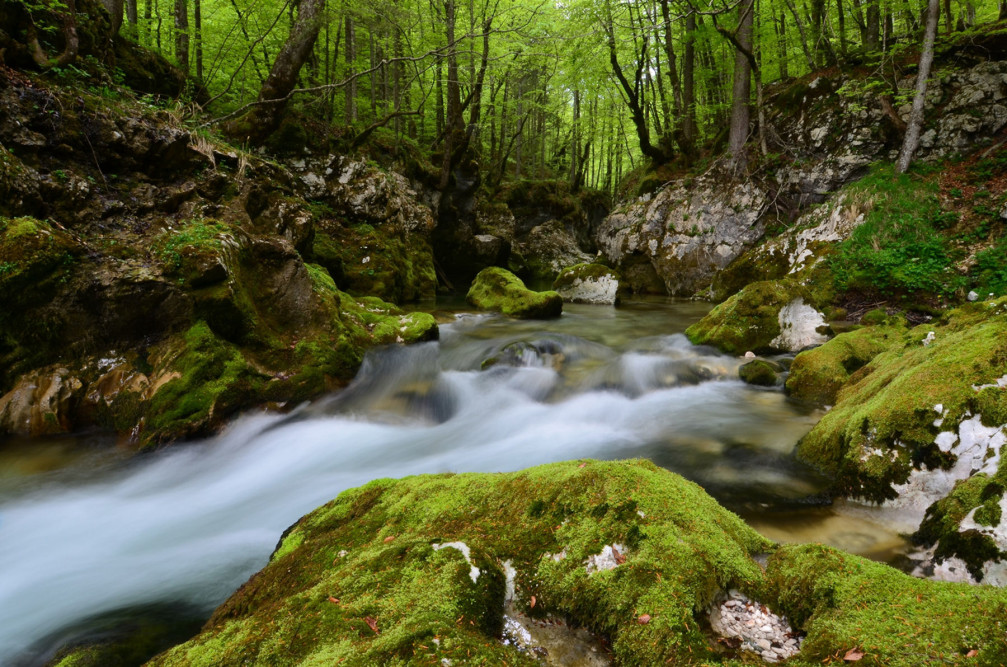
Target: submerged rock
(499, 289)
(760, 373)
(588, 283)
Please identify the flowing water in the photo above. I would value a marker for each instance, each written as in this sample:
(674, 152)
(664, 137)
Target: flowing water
(89, 537)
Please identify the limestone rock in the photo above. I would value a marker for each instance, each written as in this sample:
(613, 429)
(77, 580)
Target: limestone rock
(588, 283)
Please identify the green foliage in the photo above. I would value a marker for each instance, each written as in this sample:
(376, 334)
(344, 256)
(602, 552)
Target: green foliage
(899, 247)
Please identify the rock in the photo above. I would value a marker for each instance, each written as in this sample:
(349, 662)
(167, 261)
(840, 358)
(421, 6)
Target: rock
(758, 372)
(390, 580)
(499, 289)
(764, 317)
(40, 403)
(548, 248)
(588, 283)
(687, 232)
(973, 295)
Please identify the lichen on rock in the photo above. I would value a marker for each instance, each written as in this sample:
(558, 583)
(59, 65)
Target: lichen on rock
(588, 283)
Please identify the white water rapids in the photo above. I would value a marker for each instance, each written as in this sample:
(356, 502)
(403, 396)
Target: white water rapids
(190, 524)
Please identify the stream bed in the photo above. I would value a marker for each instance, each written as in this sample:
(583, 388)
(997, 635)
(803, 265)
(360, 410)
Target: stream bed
(90, 537)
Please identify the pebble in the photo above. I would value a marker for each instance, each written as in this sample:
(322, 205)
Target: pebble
(759, 629)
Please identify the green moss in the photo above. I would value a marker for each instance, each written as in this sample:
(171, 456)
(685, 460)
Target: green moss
(586, 271)
(376, 261)
(369, 554)
(817, 375)
(196, 251)
(499, 289)
(758, 372)
(844, 602)
(888, 404)
(749, 320)
(34, 256)
(212, 380)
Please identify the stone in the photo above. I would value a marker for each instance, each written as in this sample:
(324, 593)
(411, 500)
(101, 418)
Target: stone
(499, 289)
(973, 295)
(588, 283)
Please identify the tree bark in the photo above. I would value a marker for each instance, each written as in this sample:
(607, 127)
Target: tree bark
(115, 10)
(915, 125)
(690, 130)
(197, 19)
(68, 17)
(182, 35)
(351, 56)
(263, 119)
(742, 88)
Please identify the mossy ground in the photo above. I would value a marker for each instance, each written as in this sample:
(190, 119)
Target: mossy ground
(682, 549)
(846, 602)
(358, 581)
(888, 404)
(817, 375)
(500, 290)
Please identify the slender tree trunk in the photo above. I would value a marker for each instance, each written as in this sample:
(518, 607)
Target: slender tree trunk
(841, 13)
(804, 38)
(263, 119)
(690, 131)
(575, 137)
(873, 25)
(182, 34)
(742, 89)
(197, 19)
(781, 45)
(915, 125)
(454, 123)
(132, 17)
(350, 108)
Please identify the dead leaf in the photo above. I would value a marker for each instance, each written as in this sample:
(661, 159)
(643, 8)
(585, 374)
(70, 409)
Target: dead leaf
(333, 600)
(853, 655)
(582, 465)
(372, 624)
(971, 654)
(619, 558)
(389, 538)
(532, 605)
(644, 619)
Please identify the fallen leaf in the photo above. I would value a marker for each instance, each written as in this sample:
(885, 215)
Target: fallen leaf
(372, 623)
(971, 654)
(644, 619)
(853, 655)
(582, 465)
(619, 558)
(389, 538)
(532, 602)
(333, 600)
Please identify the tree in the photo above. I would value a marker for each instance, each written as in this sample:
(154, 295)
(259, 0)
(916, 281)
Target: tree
(742, 87)
(912, 139)
(264, 117)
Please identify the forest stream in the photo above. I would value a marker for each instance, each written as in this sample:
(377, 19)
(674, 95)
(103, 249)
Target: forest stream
(93, 536)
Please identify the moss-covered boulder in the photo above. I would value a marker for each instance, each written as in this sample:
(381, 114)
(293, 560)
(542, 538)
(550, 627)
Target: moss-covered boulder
(917, 406)
(588, 283)
(768, 316)
(412, 571)
(816, 375)
(850, 606)
(499, 289)
(760, 373)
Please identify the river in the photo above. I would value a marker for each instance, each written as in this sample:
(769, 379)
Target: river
(90, 538)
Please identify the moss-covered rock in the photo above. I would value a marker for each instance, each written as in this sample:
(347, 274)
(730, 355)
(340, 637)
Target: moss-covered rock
(768, 316)
(846, 602)
(759, 372)
(588, 283)
(816, 375)
(499, 289)
(361, 581)
(890, 412)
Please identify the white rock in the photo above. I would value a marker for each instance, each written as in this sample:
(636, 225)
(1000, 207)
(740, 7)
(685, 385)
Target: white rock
(474, 571)
(606, 560)
(973, 296)
(798, 327)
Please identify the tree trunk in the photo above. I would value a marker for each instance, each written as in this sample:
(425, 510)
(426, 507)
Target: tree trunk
(263, 119)
(915, 125)
(182, 35)
(842, 28)
(690, 131)
(114, 9)
(68, 17)
(873, 26)
(454, 123)
(742, 88)
(197, 19)
(351, 57)
(133, 18)
(781, 44)
(804, 38)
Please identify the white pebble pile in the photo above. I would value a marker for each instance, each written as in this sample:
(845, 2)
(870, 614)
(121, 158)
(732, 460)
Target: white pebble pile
(759, 630)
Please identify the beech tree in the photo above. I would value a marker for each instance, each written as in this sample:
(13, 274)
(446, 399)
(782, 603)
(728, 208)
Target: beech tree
(911, 141)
